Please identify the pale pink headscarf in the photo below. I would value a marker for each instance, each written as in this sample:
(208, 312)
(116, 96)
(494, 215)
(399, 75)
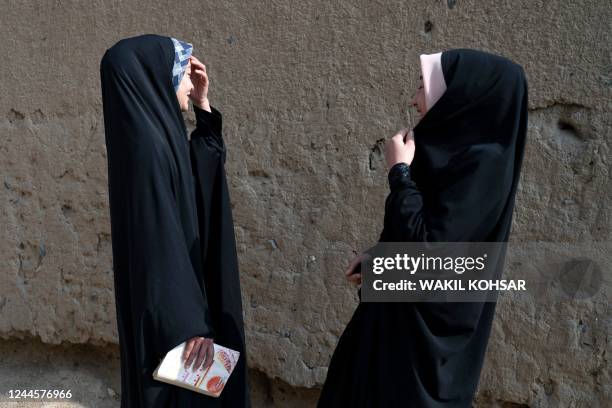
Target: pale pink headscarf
(433, 78)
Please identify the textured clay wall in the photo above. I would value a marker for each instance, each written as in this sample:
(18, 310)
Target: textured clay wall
(308, 90)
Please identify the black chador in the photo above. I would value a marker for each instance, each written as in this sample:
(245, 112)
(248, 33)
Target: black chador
(174, 252)
(460, 187)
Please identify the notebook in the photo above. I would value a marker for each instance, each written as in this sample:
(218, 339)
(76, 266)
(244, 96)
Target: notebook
(211, 381)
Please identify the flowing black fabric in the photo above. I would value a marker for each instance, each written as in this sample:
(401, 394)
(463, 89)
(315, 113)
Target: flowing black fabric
(460, 187)
(221, 278)
(174, 257)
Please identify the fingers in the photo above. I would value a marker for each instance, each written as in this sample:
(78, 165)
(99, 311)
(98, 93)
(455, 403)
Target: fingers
(203, 75)
(355, 278)
(199, 70)
(352, 275)
(409, 138)
(401, 138)
(197, 64)
(201, 355)
(200, 77)
(351, 268)
(201, 350)
(187, 351)
(196, 344)
(356, 262)
(400, 135)
(194, 60)
(206, 355)
(210, 355)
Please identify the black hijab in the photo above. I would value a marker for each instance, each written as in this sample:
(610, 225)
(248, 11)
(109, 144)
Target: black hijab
(467, 163)
(165, 192)
(460, 187)
(469, 149)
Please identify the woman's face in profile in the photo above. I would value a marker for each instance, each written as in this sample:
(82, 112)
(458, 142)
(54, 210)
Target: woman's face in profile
(185, 87)
(418, 100)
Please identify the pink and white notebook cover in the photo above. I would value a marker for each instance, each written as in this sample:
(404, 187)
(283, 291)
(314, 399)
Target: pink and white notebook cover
(210, 381)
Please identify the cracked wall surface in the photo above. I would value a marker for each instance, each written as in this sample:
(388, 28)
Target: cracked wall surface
(309, 91)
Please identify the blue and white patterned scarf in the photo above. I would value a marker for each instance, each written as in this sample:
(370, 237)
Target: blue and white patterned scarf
(182, 52)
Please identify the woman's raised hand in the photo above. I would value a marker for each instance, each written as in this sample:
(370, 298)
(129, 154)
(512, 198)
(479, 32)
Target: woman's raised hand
(199, 78)
(400, 148)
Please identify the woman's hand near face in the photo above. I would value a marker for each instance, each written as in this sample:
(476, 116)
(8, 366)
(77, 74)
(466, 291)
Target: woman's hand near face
(400, 148)
(199, 77)
(199, 349)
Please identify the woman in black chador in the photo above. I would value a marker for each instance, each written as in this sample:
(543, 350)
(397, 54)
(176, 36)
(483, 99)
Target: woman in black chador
(453, 178)
(174, 251)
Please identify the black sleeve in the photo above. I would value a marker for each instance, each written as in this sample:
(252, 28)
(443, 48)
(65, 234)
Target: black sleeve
(220, 261)
(404, 212)
(458, 212)
(209, 127)
(208, 152)
(163, 285)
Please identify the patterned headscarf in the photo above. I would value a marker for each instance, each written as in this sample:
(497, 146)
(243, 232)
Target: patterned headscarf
(182, 52)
